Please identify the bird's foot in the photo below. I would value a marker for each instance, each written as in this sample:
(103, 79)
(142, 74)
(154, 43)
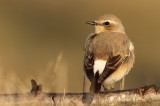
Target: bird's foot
(108, 89)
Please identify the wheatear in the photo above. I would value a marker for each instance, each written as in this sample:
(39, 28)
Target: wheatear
(109, 54)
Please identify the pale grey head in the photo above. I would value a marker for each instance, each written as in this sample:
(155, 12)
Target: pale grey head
(107, 22)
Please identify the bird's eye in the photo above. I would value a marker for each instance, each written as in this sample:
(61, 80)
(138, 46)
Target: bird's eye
(106, 23)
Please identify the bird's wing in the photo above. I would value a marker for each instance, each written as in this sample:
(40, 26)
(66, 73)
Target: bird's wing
(89, 59)
(113, 63)
(88, 66)
(87, 43)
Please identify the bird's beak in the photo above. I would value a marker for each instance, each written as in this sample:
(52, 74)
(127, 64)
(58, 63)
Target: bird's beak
(91, 22)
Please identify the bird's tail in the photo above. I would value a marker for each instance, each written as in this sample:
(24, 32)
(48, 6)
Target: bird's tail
(95, 86)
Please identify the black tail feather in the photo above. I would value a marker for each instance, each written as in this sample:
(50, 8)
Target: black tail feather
(95, 86)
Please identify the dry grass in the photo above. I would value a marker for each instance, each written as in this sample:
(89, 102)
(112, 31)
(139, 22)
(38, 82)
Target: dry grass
(54, 78)
(10, 83)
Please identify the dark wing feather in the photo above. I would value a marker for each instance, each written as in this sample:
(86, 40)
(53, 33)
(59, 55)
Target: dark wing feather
(88, 66)
(89, 59)
(111, 66)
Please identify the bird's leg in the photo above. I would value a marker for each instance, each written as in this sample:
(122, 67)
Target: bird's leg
(108, 88)
(112, 87)
(105, 88)
(122, 83)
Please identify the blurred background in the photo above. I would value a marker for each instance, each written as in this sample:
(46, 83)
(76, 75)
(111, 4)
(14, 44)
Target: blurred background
(43, 40)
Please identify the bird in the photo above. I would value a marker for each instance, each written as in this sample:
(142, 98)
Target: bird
(108, 52)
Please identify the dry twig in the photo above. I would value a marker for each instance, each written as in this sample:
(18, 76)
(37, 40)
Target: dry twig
(148, 95)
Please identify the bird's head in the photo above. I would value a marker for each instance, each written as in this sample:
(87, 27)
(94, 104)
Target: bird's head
(107, 23)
